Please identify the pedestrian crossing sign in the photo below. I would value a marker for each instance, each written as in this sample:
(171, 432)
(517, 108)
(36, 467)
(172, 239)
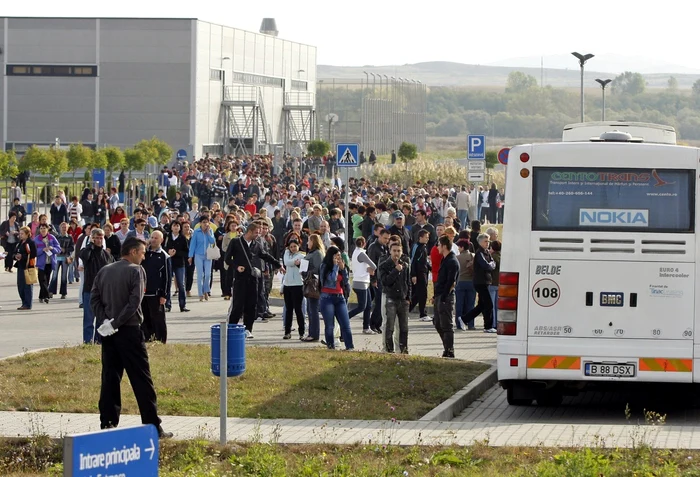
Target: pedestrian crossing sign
(347, 155)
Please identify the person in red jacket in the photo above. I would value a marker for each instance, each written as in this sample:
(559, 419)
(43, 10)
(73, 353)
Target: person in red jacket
(435, 259)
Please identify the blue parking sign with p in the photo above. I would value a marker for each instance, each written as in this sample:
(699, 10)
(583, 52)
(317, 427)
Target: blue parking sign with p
(476, 147)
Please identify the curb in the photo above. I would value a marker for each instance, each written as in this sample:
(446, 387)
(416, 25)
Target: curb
(453, 406)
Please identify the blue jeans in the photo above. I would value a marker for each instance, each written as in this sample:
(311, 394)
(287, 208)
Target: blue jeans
(63, 267)
(465, 299)
(314, 319)
(364, 306)
(203, 267)
(26, 292)
(333, 306)
(493, 291)
(179, 273)
(89, 334)
(463, 216)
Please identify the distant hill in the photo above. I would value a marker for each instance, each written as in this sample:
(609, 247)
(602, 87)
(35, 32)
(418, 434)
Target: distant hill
(602, 62)
(445, 73)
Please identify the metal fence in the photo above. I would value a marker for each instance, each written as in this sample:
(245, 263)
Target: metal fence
(39, 195)
(378, 113)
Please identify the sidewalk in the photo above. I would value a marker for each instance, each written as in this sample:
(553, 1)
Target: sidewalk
(289, 431)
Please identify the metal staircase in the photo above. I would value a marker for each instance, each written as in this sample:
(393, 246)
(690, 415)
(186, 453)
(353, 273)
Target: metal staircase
(299, 121)
(246, 131)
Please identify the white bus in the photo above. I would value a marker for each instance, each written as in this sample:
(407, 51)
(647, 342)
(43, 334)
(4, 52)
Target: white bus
(598, 274)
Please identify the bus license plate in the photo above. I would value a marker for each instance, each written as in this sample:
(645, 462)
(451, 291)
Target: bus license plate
(610, 370)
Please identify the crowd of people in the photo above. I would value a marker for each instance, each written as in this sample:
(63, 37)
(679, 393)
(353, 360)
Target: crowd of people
(249, 219)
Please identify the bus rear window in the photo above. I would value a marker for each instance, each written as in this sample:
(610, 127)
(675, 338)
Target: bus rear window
(605, 199)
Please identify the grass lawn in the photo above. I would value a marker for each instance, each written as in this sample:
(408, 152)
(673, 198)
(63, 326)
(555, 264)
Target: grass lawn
(40, 456)
(278, 383)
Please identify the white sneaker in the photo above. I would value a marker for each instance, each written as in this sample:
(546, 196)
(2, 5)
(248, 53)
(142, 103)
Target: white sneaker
(367, 331)
(425, 318)
(249, 335)
(337, 344)
(491, 330)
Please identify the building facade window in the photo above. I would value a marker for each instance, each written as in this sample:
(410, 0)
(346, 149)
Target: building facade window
(51, 70)
(248, 78)
(300, 85)
(215, 75)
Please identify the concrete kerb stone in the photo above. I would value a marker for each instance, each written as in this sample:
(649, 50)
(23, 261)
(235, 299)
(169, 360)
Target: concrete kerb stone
(452, 407)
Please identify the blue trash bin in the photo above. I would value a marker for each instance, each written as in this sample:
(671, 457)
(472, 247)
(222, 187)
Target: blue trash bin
(29, 207)
(235, 353)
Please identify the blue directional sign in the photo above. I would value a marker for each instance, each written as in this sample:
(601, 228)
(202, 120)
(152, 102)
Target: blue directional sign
(347, 155)
(181, 154)
(476, 148)
(126, 452)
(98, 175)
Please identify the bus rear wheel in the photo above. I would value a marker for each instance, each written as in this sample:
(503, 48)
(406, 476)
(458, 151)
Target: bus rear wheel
(514, 398)
(551, 398)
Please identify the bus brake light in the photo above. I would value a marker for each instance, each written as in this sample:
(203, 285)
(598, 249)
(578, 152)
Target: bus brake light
(507, 303)
(507, 329)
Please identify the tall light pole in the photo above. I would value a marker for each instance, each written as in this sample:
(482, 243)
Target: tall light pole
(582, 61)
(224, 139)
(603, 84)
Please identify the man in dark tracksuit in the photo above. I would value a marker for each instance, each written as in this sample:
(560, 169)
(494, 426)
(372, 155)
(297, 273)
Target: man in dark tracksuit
(395, 277)
(116, 300)
(239, 255)
(158, 271)
(444, 299)
(419, 273)
(376, 252)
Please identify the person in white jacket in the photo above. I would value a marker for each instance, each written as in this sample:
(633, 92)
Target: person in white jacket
(362, 269)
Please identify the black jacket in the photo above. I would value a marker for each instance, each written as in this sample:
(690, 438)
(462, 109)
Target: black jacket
(405, 237)
(448, 274)
(114, 246)
(237, 252)
(375, 252)
(367, 227)
(27, 249)
(89, 208)
(181, 247)
(395, 285)
(157, 266)
(419, 261)
(93, 260)
(59, 213)
(432, 238)
(484, 265)
(67, 245)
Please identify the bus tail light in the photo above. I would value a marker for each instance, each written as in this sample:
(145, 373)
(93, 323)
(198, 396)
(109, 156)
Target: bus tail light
(508, 303)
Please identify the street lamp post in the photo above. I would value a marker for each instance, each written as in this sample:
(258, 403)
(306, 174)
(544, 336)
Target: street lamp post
(224, 139)
(603, 83)
(582, 61)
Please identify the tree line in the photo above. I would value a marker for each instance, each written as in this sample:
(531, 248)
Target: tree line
(525, 109)
(55, 162)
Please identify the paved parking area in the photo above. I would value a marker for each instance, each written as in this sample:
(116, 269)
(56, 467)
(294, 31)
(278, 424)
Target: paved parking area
(678, 403)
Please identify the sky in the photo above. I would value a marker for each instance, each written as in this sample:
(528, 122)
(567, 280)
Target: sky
(387, 32)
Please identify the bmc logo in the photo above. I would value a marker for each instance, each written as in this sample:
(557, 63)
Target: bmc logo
(613, 217)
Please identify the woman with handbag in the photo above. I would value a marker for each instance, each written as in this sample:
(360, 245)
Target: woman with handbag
(333, 277)
(25, 262)
(293, 289)
(201, 253)
(311, 282)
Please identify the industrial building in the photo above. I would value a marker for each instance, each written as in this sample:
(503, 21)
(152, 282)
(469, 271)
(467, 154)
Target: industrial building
(199, 86)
